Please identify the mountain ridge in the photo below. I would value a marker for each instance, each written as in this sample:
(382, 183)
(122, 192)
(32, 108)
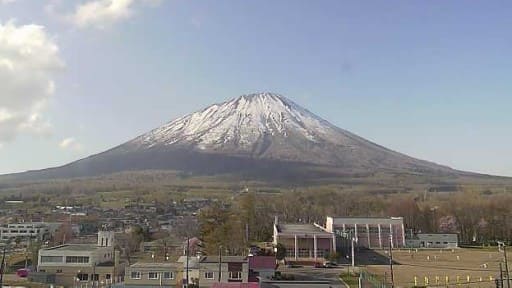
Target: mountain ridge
(254, 134)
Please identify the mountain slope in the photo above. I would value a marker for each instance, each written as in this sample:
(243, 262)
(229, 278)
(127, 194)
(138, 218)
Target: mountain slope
(263, 135)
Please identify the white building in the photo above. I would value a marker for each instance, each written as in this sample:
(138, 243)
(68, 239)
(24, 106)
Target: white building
(368, 232)
(82, 264)
(433, 240)
(37, 230)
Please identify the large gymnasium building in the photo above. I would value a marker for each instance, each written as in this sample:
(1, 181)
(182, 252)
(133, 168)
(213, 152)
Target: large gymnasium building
(305, 242)
(373, 233)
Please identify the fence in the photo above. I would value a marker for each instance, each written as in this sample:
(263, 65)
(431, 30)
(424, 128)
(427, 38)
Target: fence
(368, 280)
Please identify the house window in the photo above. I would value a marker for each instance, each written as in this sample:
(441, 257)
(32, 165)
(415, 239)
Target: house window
(209, 275)
(235, 275)
(108, 276)
(136, 275)
(152, 275)
(82, 277)
(95, 277)
(51, 259)
(168, 275)
(77, 259)
(58, 271)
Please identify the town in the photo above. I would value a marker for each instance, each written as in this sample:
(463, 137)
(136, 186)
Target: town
(161, 245)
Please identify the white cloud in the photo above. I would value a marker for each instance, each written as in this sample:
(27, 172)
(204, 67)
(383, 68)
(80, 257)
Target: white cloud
(103, 13)
(29, 59)
(70, 144)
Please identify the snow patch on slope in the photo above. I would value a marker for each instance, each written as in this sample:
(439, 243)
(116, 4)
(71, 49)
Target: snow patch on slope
(241, 122)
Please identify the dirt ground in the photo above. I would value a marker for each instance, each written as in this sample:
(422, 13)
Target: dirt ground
(454, 268)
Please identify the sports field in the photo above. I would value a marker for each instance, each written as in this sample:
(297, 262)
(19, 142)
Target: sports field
(454, 268)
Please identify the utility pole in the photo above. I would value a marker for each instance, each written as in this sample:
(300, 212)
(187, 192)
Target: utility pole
(506, 265)
(501, 275)
(2, 268)
(220, 262)
(352, 248)
(391, 263)
(94, 274)
(502, 244)
(187, 255)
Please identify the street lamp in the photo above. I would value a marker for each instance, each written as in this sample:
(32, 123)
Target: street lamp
(220, 263)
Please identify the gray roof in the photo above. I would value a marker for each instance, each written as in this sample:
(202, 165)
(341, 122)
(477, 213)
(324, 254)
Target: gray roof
(367, 220)
(74, 247)
(225, 259)
(154, 265)
(301, 229)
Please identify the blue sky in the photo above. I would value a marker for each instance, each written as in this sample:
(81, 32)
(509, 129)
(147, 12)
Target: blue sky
(427, 78)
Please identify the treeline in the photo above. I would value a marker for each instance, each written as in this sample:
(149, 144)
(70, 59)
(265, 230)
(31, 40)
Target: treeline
(478, 218)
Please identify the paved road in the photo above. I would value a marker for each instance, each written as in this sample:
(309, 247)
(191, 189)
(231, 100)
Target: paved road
(320, 274)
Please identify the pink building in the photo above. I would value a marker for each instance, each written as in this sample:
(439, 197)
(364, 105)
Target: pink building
(304, 242)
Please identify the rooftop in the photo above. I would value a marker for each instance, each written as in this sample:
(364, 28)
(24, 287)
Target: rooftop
(225, 259)
(74, 247)
(301, 229)
(366, 220)
(154, 265)
(362, 217)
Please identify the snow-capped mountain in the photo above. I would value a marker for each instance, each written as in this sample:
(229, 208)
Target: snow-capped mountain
(256, 134)
(271, 126)
(255, 125)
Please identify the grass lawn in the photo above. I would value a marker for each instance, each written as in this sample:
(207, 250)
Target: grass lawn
(351, 279)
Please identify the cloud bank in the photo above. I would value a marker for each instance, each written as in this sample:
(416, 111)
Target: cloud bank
(29, 60)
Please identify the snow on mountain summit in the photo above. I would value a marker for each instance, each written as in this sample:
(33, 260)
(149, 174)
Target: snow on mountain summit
(240, 123)
(272, 127)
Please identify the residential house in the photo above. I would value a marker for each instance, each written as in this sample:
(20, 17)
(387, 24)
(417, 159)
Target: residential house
(207, 271)
(162, 274)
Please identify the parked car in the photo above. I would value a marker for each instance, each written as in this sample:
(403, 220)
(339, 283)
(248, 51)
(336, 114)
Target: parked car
(23, 272)
(330, 265)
